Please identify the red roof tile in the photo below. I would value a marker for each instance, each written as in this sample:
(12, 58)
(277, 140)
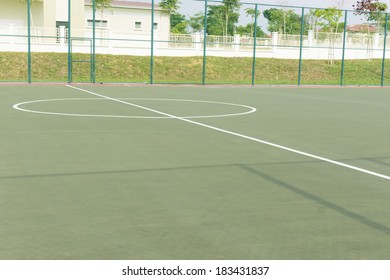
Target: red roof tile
(361, 28)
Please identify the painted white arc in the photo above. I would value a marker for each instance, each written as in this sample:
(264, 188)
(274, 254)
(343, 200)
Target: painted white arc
(386, 177)
(19, 107)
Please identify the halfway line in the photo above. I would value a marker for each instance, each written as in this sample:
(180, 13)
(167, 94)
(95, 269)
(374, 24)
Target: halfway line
(241, 135)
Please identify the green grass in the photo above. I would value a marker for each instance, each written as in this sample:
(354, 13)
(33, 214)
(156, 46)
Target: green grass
(52, 67)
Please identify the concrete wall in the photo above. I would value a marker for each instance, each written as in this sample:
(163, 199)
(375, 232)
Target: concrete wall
(61, 9)
(49, 18)
(37, 14)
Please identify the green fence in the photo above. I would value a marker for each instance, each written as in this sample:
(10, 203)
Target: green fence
(252, 43)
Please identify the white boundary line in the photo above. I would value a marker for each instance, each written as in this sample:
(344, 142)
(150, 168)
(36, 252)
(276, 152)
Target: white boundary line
(19, 107)
(386, 177)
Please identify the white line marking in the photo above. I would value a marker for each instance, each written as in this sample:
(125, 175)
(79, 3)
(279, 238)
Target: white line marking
(386, 177)
(19, 107)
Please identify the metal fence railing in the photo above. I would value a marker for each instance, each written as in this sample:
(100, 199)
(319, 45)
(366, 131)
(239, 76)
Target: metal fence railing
(303, 49)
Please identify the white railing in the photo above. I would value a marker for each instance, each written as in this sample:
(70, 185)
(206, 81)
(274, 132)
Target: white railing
(289, 40)
(104, 35)
(107, 41)
(184, 40)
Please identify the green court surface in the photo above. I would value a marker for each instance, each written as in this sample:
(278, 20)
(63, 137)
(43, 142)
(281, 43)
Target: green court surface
(187, 172)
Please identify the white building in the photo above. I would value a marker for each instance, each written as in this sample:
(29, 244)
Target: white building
(124, 20)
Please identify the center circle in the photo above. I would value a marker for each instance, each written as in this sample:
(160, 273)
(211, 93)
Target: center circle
(248, 109)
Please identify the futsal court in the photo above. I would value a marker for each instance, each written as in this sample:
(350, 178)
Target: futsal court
(194, 172)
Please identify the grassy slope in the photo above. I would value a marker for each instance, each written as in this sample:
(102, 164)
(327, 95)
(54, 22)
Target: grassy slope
(120, 68)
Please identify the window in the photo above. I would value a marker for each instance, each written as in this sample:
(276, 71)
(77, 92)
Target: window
(155, 26)
(98, 23)
(138, 25)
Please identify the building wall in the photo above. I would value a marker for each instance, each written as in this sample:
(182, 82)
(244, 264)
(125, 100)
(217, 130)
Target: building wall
(49, 18)
(61, 9)
(15, 12)
(78, 17)
(165, 25)
(46, 13)
(123, 21)
(54, 11)
(37, 15)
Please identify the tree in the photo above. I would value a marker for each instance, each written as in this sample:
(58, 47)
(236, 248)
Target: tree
(215, 20)
(283, 21)
(248, 30)
(372, 11)
(231, 8)
(311, 20)
(170, 5)
(180, 28)
(253, 13)
(179, 23)
(328, 18)
(101, 5)
(196, 22)
(221, 20)
(176, 18)
(378, 16)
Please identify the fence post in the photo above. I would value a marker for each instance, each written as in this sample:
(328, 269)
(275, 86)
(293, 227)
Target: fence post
(376, 41)
(384, 51)
(275, 37)
(152, 45)
(93, 65)
(237, 42)
(69, 43)
(310, 38)
(300, 45)
(344, 44)
(254, 47)
(204, 43)
(29, 41)
(198, 46)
